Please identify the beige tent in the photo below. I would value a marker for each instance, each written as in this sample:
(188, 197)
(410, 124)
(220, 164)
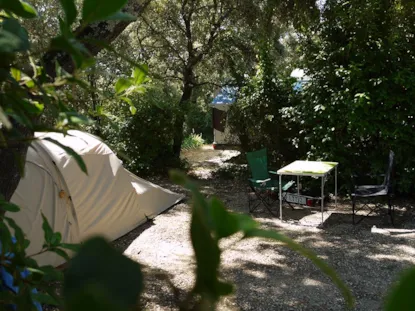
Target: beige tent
(109, 201)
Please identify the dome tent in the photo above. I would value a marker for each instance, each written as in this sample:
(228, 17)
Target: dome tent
(109, 201)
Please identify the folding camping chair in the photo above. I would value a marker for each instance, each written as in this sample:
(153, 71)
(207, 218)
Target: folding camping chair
(265, 188)
(367, 193)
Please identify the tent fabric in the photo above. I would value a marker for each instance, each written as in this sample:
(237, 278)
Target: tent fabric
(109, 201)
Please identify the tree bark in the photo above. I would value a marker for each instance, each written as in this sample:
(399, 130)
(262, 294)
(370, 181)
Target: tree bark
(180, 118)
(12, 157)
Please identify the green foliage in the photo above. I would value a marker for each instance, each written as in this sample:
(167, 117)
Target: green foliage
(69, 8)
(97, 10)
(199, 116)
(401, 296)
(193, 141)
(145, 138)
(19, 8)
(101, 278)
(262, 117)
(210, 223)
(359, 102)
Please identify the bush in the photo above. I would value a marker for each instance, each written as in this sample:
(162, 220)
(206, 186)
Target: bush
(193, 141)
(263, 115)
(359, 103)
(144, 140)
(199, 118)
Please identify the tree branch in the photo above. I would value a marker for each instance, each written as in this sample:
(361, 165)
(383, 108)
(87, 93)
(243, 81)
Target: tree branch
(213, 34)
(106, 31)
(159, 34)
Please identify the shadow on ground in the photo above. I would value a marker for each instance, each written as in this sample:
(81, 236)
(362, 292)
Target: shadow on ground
(267, 275)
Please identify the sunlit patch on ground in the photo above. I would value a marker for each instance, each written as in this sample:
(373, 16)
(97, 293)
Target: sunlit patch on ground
(369, 257)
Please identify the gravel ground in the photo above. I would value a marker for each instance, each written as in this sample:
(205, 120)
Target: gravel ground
(268, 276)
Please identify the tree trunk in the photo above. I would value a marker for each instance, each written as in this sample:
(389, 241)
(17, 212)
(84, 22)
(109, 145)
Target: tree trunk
(12, 158)
(180, 118)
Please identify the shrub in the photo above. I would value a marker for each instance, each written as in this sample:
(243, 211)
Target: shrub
(144, 140)
(359, 102)
(263, 115)
(193, 141)
(199, 118)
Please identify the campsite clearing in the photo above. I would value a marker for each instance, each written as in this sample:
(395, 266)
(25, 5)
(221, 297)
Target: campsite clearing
(267, 275)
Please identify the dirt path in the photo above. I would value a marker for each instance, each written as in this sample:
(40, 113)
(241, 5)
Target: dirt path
(205, 161)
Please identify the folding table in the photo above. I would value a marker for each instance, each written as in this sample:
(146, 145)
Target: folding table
(312, 169)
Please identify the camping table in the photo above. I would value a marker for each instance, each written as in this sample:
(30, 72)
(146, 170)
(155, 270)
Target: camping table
(312, 169)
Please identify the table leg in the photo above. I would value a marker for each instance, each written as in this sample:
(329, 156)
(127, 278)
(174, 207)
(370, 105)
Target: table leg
(335, 185)
(298, 185)
(280, 197)
(322, 199)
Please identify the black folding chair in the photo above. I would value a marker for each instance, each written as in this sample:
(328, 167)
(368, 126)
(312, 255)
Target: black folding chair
(369, 193)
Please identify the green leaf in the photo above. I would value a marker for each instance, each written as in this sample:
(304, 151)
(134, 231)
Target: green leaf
(16, 73)
(20, 8)
(71, 152)
(401, 296)
(45, 299)
(18, 232)
(13, 26)
(140, 89)
(72, 247)
(4, 120)
(47, 273)
(6, 297)
(178, 177)
(99, 110)
(101, 278)
(11, 43)
(5, 237)
(74, 48)
(23, 300)
(56, 239)
(61, 253)
(205, 244)
(29, 83)
(330, 272)
(127, 100)
(207, 254)
(47, 230)
(96, 10)
(69, 8)
(139, 75)
(225, 223)
(133, 110)
(9, 207)
(121, 16)
(74, 118)
(122, 84)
